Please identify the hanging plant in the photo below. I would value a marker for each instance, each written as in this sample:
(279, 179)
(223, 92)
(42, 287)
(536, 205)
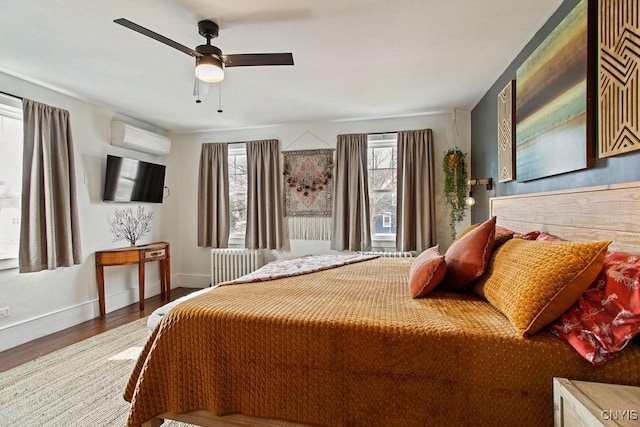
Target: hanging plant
(454, 166)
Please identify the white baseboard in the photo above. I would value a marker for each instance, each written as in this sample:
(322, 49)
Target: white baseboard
(30, 329)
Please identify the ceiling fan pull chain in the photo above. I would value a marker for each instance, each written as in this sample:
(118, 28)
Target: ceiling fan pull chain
(220, 97)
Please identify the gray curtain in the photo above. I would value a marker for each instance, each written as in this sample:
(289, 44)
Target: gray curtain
(213, 196)
(49, 228)
(264, 200)
(416, 221)
(351, 218)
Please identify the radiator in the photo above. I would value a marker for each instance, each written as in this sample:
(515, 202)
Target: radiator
(229, 264)
(389, 254)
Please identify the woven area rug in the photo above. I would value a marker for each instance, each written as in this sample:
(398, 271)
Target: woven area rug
(79, 385)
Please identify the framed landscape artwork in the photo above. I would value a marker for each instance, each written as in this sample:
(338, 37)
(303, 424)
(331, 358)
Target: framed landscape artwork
(555, 103)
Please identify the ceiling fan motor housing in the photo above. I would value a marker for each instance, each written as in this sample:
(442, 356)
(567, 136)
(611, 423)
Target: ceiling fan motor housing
(209, 50)
(208, 29)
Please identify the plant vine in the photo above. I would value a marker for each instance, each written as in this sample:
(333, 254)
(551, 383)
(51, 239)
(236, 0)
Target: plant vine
(454, 166)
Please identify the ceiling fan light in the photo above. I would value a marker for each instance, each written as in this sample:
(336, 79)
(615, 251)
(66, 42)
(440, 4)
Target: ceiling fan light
(209, 69)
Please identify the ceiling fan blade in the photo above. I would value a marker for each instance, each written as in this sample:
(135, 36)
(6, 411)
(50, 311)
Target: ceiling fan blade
(255, 59)
(162, 39)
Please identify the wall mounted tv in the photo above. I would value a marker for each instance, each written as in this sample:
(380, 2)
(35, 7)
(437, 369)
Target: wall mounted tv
(129, 180)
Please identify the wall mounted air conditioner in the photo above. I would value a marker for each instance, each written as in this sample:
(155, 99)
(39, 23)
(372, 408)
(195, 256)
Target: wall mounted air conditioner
(127, 136)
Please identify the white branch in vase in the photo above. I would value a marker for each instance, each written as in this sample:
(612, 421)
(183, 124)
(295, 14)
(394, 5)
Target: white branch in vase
(128, 226)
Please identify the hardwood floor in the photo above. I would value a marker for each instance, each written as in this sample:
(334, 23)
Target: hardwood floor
(41, 346)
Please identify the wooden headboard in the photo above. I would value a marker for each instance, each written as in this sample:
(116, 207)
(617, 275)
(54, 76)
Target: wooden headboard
(605, 212)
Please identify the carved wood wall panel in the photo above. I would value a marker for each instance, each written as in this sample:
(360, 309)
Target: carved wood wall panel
(506, 132)
(619, 86)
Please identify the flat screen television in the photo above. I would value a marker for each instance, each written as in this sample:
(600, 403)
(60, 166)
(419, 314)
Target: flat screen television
(129, 180)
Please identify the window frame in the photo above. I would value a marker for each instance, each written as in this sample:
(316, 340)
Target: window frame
(236, 239)
(390, 140)
(10, 107)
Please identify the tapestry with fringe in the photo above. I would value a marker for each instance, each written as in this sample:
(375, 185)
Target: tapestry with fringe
(308, 193)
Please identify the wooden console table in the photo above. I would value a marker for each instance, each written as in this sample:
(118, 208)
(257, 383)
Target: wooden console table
(135, 255)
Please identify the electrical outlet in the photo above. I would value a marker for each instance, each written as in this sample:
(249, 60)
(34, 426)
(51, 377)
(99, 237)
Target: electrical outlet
(4, 312)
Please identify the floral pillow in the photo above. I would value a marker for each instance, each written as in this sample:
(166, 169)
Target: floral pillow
(546, 237)
(531, 235)
(607, 316)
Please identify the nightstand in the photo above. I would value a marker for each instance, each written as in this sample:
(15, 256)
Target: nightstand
(581, 403)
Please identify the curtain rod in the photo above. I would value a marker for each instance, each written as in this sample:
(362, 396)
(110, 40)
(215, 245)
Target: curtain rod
(11, 95)
(382, 133)
(228, 143)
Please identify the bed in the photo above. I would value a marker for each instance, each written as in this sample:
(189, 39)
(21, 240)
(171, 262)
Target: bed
(349, 346)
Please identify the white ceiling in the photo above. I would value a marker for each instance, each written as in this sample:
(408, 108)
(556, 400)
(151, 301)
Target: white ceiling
(353, 58)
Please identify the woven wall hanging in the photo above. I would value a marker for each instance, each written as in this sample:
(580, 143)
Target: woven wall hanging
(308, 193)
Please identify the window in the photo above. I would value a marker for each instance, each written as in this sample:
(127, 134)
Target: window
(382, 165)
(238, 192)
(10, 177)
(386, 220)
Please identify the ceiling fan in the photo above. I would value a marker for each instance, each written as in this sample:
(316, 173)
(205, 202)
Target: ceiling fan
(210, 61)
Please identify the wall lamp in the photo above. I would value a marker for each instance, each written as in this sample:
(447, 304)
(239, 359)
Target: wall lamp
(470, 201)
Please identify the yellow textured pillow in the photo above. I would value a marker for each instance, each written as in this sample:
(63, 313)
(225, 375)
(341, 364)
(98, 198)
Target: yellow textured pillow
(534, 282)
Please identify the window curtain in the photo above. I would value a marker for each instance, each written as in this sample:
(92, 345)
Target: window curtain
(264, 200)
(351, 217)
(416, 221)
(213, 196)
(49, 228)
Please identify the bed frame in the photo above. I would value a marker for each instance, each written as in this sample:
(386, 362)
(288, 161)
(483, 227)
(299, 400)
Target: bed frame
(605, 212)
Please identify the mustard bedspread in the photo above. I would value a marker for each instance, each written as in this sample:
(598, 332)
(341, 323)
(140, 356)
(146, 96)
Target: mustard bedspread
(350, 347)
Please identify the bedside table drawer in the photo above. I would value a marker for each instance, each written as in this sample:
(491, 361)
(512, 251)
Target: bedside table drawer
(121, 257)
(151, 255)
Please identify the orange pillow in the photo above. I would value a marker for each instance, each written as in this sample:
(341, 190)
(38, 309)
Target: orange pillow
(426, 272)
(533, 282)
(467, 230)
(467, 257)
(502, 234)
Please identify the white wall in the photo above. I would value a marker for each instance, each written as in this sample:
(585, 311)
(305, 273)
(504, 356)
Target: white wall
(192, 262)
(49, 301)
